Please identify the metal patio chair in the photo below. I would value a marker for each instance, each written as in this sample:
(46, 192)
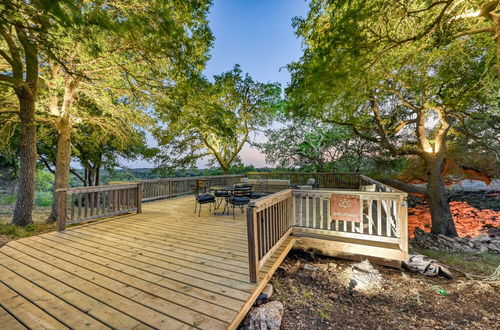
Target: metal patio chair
(239, 198)
(203, 199)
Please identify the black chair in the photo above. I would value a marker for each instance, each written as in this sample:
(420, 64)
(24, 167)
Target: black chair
(240, 198)
(258, 190)
(203, 199)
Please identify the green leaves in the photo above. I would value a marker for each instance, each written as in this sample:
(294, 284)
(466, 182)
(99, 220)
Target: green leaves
(214, 118)
(375, 66)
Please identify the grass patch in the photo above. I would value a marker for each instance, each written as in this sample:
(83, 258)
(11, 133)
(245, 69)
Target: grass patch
(472, 263)
(325, 311)
(14, 231)
(307, 294)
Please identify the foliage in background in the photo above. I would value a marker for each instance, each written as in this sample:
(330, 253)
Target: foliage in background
(312, 145)
(99, 63)
(213, 119)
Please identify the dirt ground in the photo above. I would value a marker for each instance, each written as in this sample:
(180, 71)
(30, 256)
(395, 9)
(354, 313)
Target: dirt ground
(316, 300)
(40, 214)
(8, 233)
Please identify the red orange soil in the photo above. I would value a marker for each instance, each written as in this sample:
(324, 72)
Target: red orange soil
(468, 219)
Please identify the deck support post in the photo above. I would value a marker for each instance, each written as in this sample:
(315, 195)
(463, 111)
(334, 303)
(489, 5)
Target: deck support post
(139, 198)
(62, 200)
(253, 258)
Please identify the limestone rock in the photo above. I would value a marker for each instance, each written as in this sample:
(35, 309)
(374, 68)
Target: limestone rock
(481, 243)
(310, 267)
(361, 277)
(265, 317)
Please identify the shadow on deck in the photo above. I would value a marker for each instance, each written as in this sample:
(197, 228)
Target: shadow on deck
(165, 268)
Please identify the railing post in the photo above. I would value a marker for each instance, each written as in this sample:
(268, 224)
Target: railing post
(139, 197)
(253, 259)
(403, 224)
(62, 200)
(170, 188)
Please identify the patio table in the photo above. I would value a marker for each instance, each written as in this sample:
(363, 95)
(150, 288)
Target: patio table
(222, 192)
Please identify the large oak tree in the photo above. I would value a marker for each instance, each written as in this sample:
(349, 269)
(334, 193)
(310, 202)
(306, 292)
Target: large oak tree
(27, 29)
(214, 119)
(407, 99)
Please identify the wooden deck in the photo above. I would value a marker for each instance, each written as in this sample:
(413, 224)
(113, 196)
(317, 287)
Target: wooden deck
(165, 268)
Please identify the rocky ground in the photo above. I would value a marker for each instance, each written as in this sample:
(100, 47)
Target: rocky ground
(315, 295)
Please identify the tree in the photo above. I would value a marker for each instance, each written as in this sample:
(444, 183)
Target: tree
(26, 30)
(115, 66)
(395, 25)
(96, 150)
(313, 145)
(405, 99)
(214, 119)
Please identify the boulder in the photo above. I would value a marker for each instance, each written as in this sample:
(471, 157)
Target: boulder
(265, 317)
(361, 277)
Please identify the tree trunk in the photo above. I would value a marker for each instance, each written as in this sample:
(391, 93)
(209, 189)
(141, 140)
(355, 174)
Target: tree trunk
(442, 221)
(27, 157)
(63, 160)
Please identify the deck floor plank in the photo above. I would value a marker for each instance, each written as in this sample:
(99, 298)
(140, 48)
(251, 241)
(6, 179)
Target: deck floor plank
(52, 305)
(9, 322)
(166, 268)
(149, 247)
(169, 242)
(28, 313)
(110, 278)
(100, 264)
(20, 264)
(193, 269)
(164, 245)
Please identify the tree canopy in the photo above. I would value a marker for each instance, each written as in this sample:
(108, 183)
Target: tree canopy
(407, 99)
(313, 145)
(215, 119)
(90, 54)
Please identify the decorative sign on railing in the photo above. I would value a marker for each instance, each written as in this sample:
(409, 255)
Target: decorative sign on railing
(345, 207)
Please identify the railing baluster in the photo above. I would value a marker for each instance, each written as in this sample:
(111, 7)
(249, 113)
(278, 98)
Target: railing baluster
(379, 218)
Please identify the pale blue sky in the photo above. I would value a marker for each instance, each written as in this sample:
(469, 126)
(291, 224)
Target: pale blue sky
(259, 36)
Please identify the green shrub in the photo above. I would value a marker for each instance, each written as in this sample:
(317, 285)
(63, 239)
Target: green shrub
(7, 199)
(44, 180)
(43, 198)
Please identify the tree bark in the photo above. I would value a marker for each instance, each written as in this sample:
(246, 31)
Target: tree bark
(435, 194)
(63, 160)
(27, 156)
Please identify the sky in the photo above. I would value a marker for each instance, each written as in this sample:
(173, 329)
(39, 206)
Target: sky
(259, 36)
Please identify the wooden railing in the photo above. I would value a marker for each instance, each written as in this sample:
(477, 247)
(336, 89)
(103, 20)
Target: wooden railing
(382, 229)
(336, 180)
(383, 219)
(269, 222)
(77, 205)
(171, 187)
(366, 182)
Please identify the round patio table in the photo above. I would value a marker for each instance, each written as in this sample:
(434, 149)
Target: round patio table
(225, 192)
